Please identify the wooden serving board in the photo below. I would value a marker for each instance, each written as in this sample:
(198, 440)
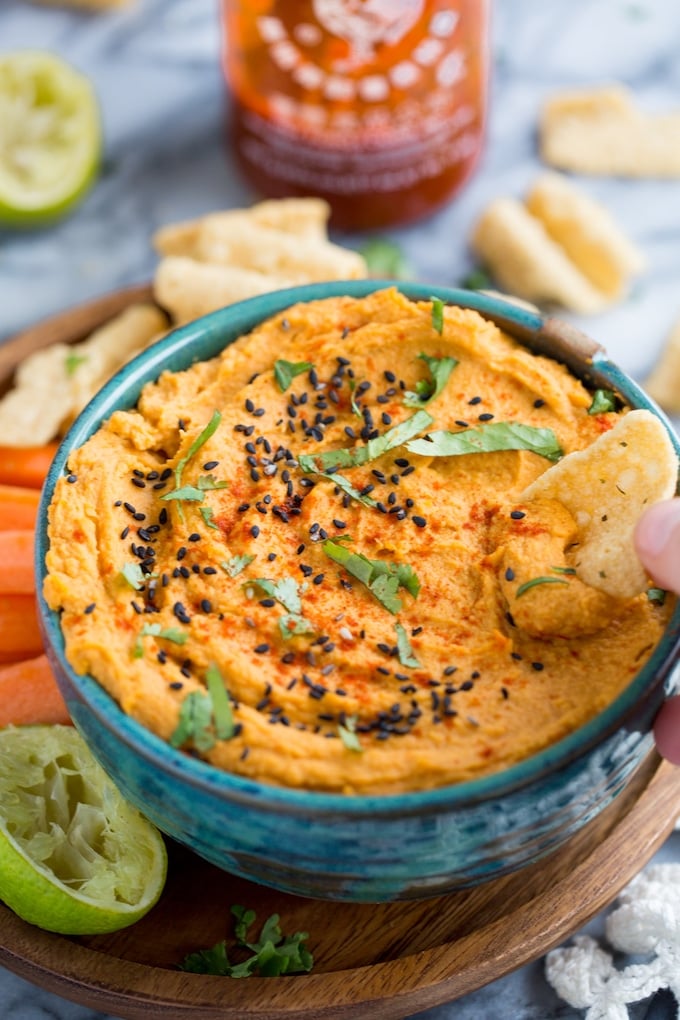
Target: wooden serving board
(385, 961)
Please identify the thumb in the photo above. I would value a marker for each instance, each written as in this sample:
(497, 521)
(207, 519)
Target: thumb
(657, 543)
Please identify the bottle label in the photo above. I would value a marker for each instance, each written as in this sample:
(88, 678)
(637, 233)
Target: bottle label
(345, 115)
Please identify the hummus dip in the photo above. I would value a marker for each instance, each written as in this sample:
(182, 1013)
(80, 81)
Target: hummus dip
(257, 568)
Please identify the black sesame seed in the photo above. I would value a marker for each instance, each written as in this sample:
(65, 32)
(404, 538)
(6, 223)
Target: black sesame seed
(420, 522)
(537, 666)
(254, 531)
(89, 609)
(206, 605)
(318, 579)
(271, 557)
(509, 574)
(485, 417)
(475, 400)
(209, 570)
(339, 524)
(249, 405)
(194, 537)
(138, 482)
(261, 649)
(71, 478)
(517, 515)
(539, 402)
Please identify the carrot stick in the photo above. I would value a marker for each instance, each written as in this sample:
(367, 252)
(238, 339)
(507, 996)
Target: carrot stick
(16, 562)
(26, 465)
(18, 507)
(19, 632)
(29, 694)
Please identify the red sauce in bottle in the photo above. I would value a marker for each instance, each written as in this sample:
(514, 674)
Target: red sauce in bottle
(378, 106)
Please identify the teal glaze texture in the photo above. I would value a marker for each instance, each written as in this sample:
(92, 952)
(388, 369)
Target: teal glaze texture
(363, 848)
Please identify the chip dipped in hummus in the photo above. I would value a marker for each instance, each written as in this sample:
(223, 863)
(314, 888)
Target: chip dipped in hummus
(326, 559)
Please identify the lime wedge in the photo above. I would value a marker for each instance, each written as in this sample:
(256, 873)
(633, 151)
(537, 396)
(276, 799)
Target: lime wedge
(50, 137)
(75, 857)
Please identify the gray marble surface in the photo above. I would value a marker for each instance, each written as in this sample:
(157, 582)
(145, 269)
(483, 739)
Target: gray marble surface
(155, 65)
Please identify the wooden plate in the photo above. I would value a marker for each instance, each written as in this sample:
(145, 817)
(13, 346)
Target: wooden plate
(384, 961)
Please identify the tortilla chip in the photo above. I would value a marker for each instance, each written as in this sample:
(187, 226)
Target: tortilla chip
(188, 289)
(527, 262)
(663, 383)
(301, 217)
(605, 488)
(601, 131)
(587, 233)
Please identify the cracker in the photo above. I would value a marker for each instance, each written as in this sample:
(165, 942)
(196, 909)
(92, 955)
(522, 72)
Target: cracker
(587, 232)
(301, 217)
(31, 413)
(606, 487)
(188, 289)
(663, 382)
(602, 131)
(527, 262)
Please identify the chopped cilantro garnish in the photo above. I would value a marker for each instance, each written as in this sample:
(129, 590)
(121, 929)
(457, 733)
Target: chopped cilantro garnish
(356, 456)
(223, 715)
(488, 439)
(293, 624)
(406, 656)
(179, 637)
(347, 487)
(437, 314)
(286, 371)
(563, 570)
(382, 579)
(272, 953)
(385, 259)
(236, 564)
(603, 400)
(286, 591)
(205, 717)
(348, 734)
(538, 580)
(206, 483)
(355, 407)
(200, 440)
(657, 595)
(133, 574)
(206, 513)
(72, 362)
(428, 389)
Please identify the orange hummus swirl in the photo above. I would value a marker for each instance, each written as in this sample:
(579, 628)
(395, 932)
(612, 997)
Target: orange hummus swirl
(192, 545)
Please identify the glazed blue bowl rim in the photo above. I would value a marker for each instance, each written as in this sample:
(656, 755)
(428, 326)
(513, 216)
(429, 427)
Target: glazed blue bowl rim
(174, 351)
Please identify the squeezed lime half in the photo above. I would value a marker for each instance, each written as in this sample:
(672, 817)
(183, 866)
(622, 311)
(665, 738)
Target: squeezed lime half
(50, 137)
(75, 857)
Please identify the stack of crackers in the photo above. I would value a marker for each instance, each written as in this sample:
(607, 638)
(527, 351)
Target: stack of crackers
(205, 264)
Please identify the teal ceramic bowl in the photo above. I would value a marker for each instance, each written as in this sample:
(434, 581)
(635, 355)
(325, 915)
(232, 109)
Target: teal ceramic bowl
(364, 848)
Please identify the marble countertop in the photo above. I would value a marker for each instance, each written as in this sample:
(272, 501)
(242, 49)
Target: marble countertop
(155, 65)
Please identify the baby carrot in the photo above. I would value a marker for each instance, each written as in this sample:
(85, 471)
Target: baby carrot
(29, 694)
(19, 632)
(18, 507)
(26, 465)
(16, 562)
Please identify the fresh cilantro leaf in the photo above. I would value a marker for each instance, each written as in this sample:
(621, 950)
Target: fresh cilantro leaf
(286, 371)
(348, 734)
(73, 361)
(657, 595)
(603, 400)
(563, 570)
(437, 314)
(382, 579)
(273, 953)
(538, 580)
(355, 407)
(206, 513)
(293, 625)
(346, 486)
(428, 389)
(174, 634)
(487, 439)
(286, 591)
(236, 564)
(133, 574)
(207, 483)
(223, 715)
(200, 440)
(186, 493)
(195, 722)
(357, 456)
(406, 656)
(205, 716)
(385, 259)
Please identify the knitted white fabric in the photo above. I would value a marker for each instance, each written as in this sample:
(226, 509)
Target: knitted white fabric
(645, 922)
